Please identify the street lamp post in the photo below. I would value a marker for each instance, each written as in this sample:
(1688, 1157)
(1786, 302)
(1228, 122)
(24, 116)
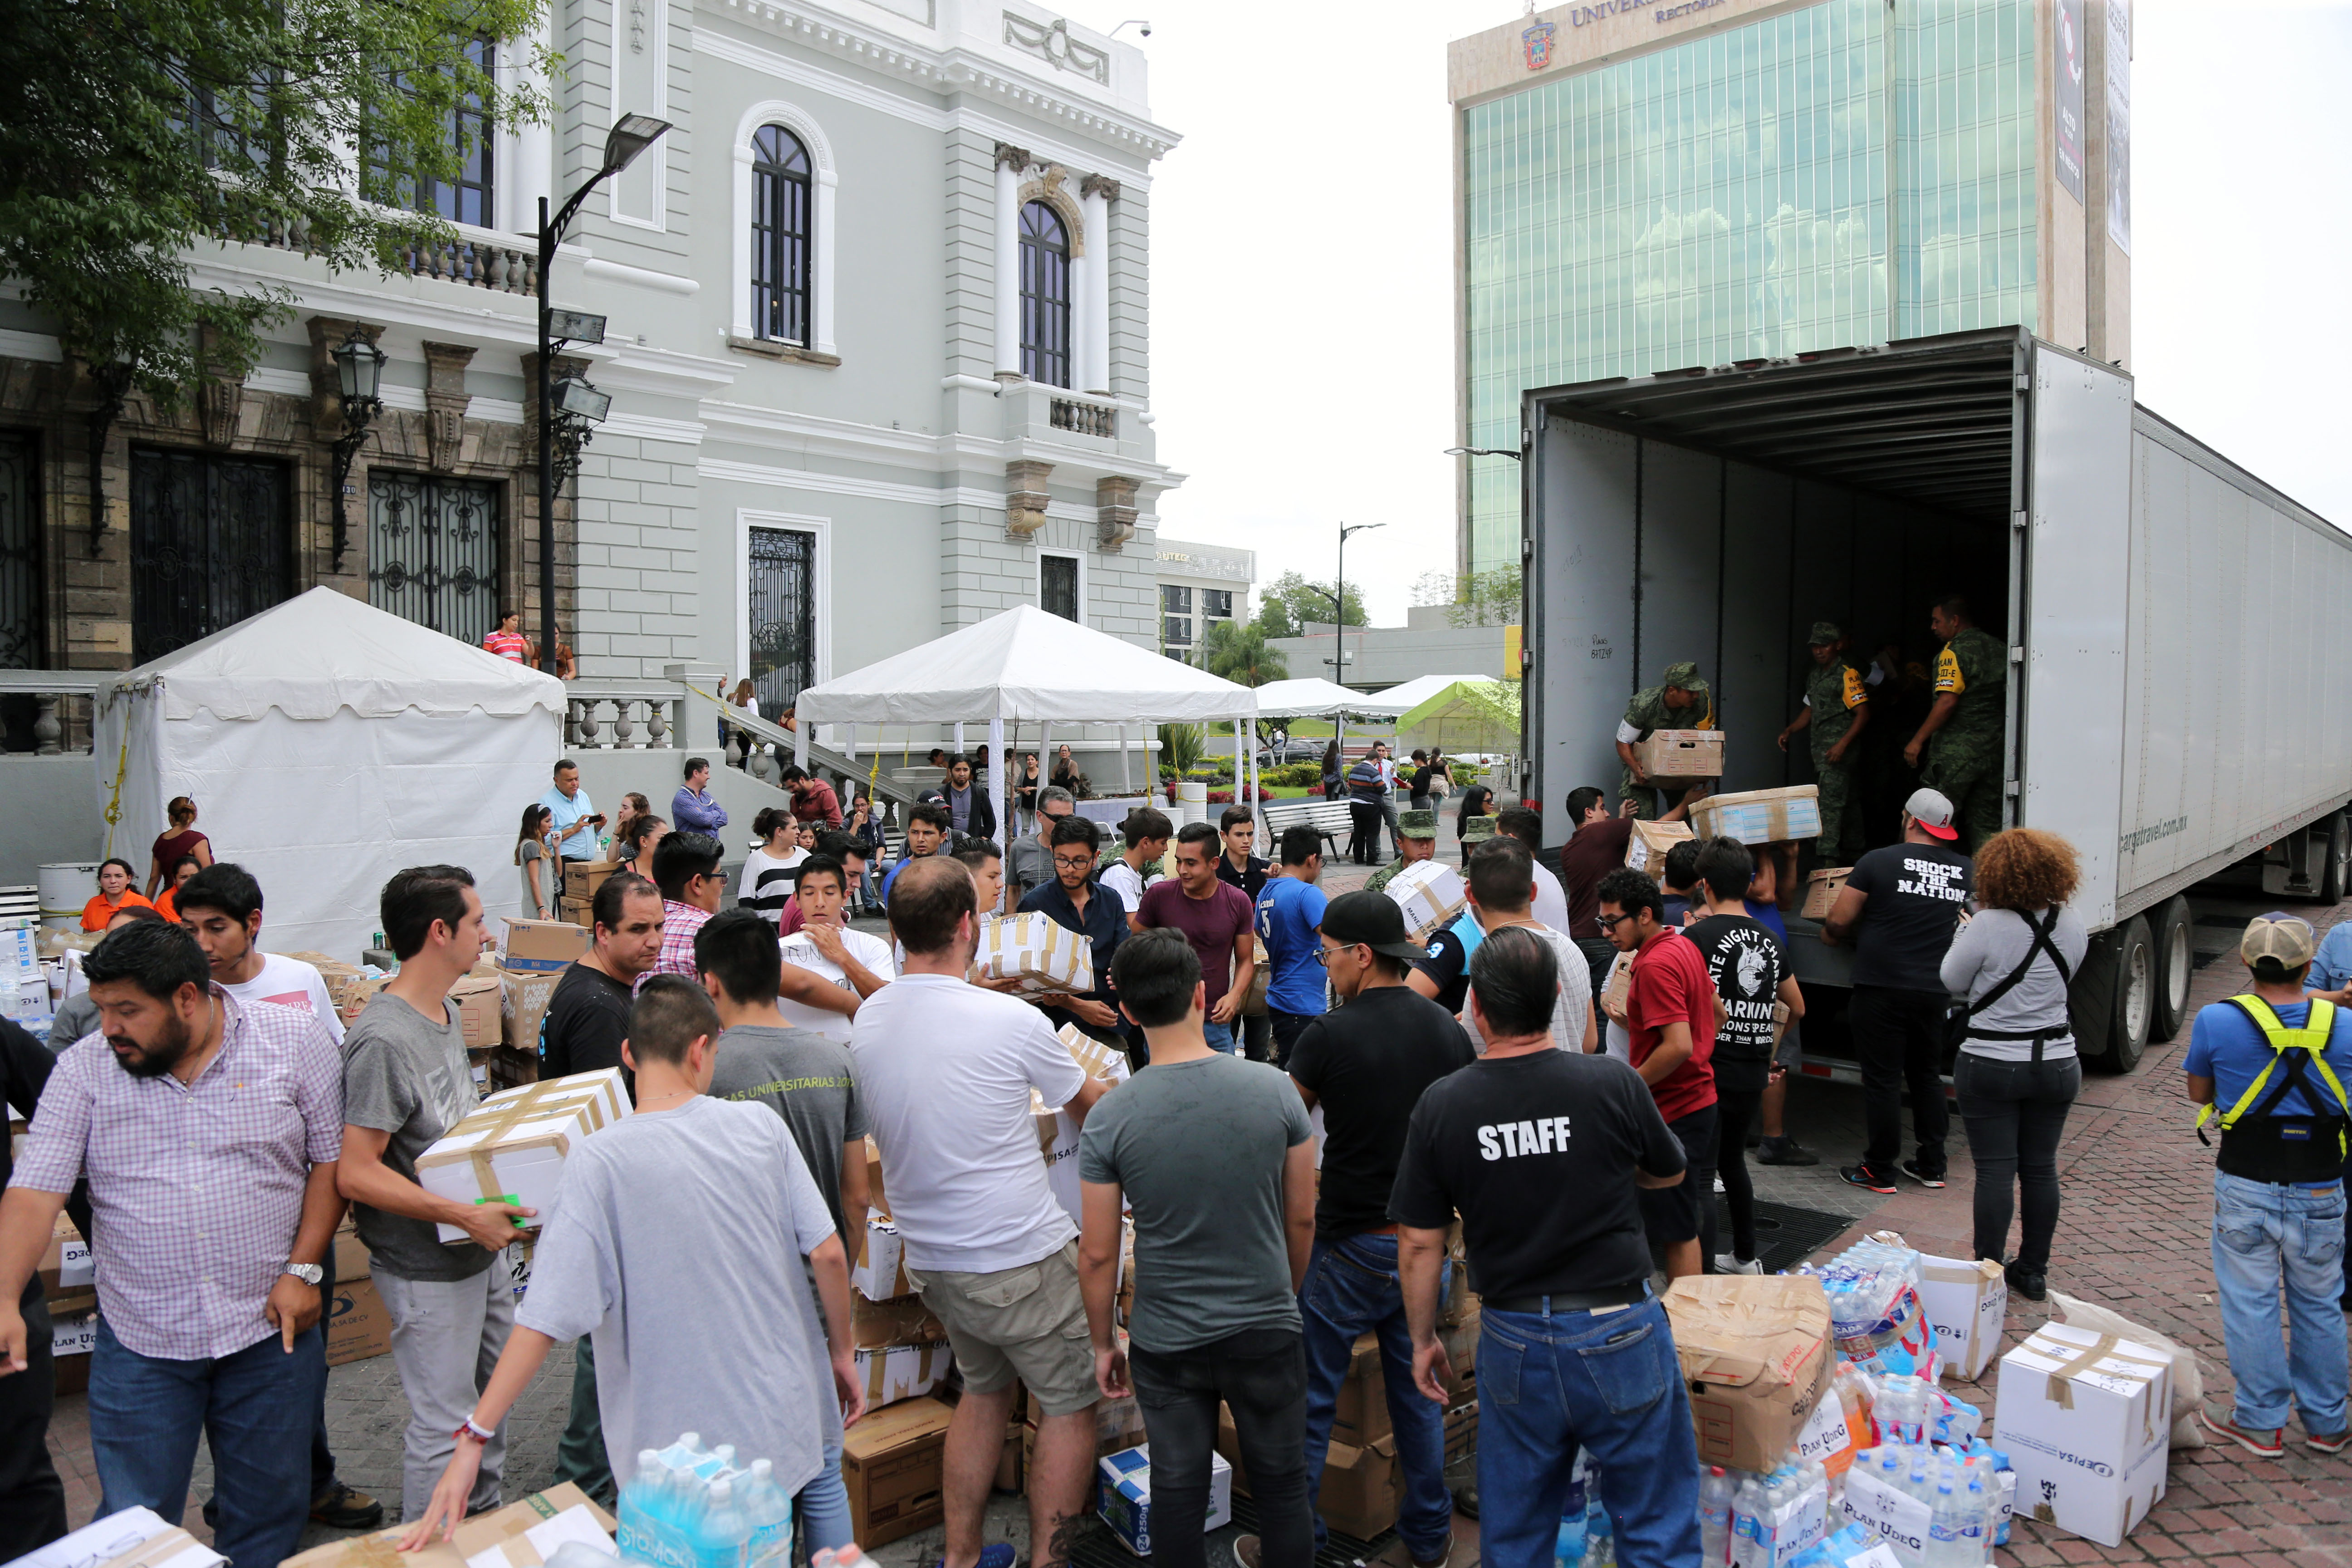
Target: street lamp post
(1340, 628)
(631, 135)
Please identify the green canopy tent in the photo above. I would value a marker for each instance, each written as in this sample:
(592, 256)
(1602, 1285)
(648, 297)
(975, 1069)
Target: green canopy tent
(1467, 716)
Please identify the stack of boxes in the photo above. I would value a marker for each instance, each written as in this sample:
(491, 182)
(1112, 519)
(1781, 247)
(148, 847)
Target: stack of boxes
(24, 989)
(581, 880)
(891, 1462)
(70, 1282)
(532, 956)
(357, 1325)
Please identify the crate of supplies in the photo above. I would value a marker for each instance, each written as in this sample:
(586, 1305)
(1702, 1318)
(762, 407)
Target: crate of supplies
(1761, 816)
(1680, 754)
(2086, 1422)
(1648, 847)
(1822, 889)
(1038, 954)
(1432, 896)
(1123, 1496)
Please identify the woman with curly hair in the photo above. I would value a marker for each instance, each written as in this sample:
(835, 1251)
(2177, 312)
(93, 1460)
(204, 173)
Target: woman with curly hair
(2018, 1072)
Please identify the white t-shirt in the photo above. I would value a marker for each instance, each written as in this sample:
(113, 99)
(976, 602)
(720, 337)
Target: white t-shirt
(945, 1070)
(800, 950)
(290, 983)
(1551, 906)
(767, 881)
(1127, 882)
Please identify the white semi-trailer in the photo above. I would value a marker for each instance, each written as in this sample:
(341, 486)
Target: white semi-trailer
(2178, 631)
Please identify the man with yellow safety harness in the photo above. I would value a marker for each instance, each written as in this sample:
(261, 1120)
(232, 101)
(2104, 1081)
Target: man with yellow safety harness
(2278, 1059)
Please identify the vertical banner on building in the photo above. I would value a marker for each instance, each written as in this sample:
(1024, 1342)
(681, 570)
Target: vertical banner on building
(2067, 61)
(2120, 123)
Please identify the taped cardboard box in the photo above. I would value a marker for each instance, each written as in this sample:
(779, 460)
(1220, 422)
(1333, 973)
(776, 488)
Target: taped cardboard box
(523, 998)
(880, 1272)
(1008, 1459)
(545, 946)
(893, 1372)
(876, 1200)
(67, 1267)
(1361, 1413)
(72, 1341)
(1755, 1350)
(360, 1327)
(1462, 1433)
(499, 1539)
(511, 1148)
(905, 1321)
(1123, 1496)
(1361, 1487)
(131, 1537)
(1037, 954)
(1057, 1131)
(1618, 988)
(1760, 816)
(583, 878)
(352, 1260)
(891, 1463)
(1966, 1303)
(479, 1000)
(1432, 896)
(1680, 754)
(1822, 889)
(1648, 845)
(2086, 1421)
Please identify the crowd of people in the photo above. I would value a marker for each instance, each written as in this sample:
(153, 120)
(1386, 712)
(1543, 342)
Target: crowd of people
(1473, 1076)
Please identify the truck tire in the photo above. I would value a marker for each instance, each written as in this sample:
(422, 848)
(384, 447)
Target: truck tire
(2176, 965)
(2334, 877)
(2131, 992)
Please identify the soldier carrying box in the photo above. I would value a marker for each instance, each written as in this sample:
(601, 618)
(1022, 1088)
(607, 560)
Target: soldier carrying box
(1681, 701)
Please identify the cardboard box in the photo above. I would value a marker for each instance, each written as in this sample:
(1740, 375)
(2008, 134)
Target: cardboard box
(72, 1340)
(1648, 845)
(540, 945)
(1057, 1131)
(1680, 754)
(352, 1260)
(1822, 889)
(1361, 1487)
(1967, 1304)
(1361, 1413)
(2086, 1421)
(478, 1068)
(1618, 988)
(171, 1547)
(523, 996)
(1760, 816)
(1119, 1424)
(1432, 896)
(502, 1535)
(876, 1201)
(1032, 949)
(512, 1147)
(1123, 1496)
(479, 1000)
(360, 1327)
(1755, 1350)
(905, 1321)
(572, 912)
(880, 1272)
(891, 1463)
(122, 1538)
(67, 1267)
(1008, 1462)
(896, 1372)
(583, 878)
(1462, 1433)
(506, 1068)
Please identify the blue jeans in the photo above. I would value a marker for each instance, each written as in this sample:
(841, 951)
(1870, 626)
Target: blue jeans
(1607, 1382)
(1220, 1036)
(254, 1409)
(822, 1506)
(2264, 1232)
(1351, 1289)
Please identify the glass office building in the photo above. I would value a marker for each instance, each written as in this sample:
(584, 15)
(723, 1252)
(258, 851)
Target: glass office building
(1833, 175)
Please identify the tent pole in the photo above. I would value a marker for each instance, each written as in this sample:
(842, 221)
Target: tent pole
(959, 735)
(996, 789)
(1125, 764)
(1257, 796)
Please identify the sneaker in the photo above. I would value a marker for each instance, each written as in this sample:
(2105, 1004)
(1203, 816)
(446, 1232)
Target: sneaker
(1911, 1169)
(2327, 1443)
(1000, 1554)
(1785, 1151)
(1718, 1186)
(1465, 1501)
(344, 1508)
(1441, 1560)
(1863, 1176)
(1245, 1550)
(2028, 1283)
(1726, 1264)
(2268, 1444)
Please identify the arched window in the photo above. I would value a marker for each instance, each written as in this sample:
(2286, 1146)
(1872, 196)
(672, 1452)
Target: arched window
(783, 225)
(1045, 295)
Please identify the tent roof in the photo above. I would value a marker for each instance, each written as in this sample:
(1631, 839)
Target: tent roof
(1466, 714)
(323, 651)
(1312, 697)
(1026, 663)
(1404, 699)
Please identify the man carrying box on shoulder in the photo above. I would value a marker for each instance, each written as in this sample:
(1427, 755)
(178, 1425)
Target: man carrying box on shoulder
(945, 1070)
(676, 1239)
(1680, 702)
(405, 1085)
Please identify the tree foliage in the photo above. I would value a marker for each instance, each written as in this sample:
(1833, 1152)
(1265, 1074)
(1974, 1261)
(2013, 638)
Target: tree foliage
(1292, 604)
(138, 136)
(1493, 598)
(1238, 653)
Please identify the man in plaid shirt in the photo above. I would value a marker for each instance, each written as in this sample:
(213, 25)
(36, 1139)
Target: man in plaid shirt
(209, 1142)
(686, 869)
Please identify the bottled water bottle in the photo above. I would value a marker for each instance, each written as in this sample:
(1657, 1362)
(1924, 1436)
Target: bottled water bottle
(769, 1509)
(718, 1539)
(1715, 1491)
(1976, 1520)
(1944, 1545)
(1746, 1527)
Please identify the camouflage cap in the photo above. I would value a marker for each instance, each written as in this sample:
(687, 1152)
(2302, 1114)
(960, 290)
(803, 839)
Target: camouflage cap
(1476, 828)
(1417, 824)
(1824, 633)
(1683, 676)
(2285, 938)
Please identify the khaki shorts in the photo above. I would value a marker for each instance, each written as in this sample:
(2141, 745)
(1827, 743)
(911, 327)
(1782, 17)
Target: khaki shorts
(1028, 1322)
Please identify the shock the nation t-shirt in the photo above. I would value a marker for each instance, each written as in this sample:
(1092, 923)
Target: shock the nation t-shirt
(1916, 894)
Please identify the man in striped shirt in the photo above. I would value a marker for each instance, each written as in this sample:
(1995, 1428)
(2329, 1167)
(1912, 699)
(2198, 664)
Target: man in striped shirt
(209, 1140)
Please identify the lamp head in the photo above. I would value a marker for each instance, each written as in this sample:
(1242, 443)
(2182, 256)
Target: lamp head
(359, 369)
(577, 398)
(631, 135)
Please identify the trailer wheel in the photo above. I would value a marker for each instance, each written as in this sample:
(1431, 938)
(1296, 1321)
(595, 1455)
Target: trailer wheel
(2338, 851)
(2176, 965)
(2133, 1010)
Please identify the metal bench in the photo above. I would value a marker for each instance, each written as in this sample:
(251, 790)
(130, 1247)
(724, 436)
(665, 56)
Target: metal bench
(1331, 818)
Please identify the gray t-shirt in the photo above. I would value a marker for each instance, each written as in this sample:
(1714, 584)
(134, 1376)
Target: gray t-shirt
(77, 1018)
(1029, 863)
(405, 1075)
(1199, 1147)
(550, 879)
(676, 1237)
(804, 1078)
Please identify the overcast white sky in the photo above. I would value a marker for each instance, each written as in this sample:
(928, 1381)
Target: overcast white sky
(1302, 356)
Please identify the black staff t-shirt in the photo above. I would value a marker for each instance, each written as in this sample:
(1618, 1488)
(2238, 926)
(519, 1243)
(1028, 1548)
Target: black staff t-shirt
(1746, 962)
(1916, 893)
(1367, 1064)
(1538, 1153)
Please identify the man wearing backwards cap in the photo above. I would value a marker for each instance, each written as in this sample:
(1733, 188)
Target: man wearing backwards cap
(2271, 1067)
(1899, 909)
(1680, 702)
(1836, 711)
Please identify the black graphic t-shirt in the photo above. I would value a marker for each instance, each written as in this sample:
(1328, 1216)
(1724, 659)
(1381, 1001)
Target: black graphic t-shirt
(1747, 963)
(1916, 892)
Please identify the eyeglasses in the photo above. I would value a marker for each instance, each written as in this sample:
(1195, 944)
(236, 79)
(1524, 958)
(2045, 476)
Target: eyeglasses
(1609, 922)
(1075, 862)
(1324, 955)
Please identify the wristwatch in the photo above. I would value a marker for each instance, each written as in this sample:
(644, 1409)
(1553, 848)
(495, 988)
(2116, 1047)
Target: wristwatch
(309, 1273)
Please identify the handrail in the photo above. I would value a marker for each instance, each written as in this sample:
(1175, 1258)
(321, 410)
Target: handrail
(878, 781)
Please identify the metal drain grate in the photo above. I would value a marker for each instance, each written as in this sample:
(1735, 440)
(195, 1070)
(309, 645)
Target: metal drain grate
(1338, 1551)
(1785, 1235)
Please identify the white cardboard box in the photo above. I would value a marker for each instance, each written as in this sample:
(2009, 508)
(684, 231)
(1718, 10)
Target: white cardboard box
(2085, 1419)
(1041, 956)
(880, 1274)
(1123, 1496)
(893, 1372)
(1966, 1303)
(513, 1146)
(1431, 895)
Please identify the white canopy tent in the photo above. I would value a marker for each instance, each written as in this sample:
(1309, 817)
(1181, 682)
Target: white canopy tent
(1028, 665)
(327, 745)
(1312, 697)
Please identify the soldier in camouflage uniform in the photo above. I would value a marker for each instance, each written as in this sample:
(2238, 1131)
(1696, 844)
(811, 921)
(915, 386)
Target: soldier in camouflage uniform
(1837, 710)
(1416, 841)
(1961, 736)
(1680, 702)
